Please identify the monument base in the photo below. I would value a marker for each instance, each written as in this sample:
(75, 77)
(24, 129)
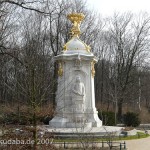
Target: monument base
(73, 122)
(85, 131)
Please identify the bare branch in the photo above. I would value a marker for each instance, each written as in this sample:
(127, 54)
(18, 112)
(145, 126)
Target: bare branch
(22, 5)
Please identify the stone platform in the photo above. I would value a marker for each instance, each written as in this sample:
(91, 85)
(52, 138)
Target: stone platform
(76, 132)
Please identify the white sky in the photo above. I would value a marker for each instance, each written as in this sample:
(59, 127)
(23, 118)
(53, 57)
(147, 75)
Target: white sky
(108, 7)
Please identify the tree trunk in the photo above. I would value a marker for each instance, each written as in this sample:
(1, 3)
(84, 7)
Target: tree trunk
(35, 130)
(120, 110)
(102, 84)
(55, 76)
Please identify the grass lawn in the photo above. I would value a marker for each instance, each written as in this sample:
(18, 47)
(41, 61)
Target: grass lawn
(111, 138)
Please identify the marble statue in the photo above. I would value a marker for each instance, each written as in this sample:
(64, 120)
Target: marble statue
(78, 88)
(78, 95)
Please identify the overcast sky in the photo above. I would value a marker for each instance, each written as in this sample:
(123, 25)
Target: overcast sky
(107, 7)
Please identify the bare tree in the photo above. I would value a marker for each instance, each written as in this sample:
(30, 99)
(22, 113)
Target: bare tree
(126, 39)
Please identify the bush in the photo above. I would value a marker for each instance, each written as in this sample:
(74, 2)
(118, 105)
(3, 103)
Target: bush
(131, 119)
(24, 115)
(107, 117)
(46, 119)
(23, 118)
(14, 118)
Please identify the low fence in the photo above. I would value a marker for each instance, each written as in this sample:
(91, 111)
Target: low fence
(141, 126)
(144, 126)
(102, 144)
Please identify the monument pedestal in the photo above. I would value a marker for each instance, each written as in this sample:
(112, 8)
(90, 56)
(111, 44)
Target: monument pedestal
(76, 114)
(87, 131)
(75, 96)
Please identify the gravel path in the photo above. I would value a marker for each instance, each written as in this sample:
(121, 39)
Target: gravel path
(139, 144)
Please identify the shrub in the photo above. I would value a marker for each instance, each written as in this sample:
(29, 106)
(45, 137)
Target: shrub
(108, 117)
(131, 119)
(46, 119)
(14, 118)
(24, 115)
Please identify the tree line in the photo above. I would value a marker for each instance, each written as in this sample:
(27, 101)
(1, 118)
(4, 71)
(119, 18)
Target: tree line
(33, 32)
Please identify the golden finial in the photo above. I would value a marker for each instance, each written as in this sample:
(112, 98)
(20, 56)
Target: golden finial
(88, 48)
(76, 19)
(60, 69)
(92, 68)
(65, 47)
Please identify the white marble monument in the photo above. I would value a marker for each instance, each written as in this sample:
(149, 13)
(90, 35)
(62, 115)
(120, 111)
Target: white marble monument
(75, 97)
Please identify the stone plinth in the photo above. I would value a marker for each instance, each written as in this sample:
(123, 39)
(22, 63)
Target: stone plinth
(86, 131)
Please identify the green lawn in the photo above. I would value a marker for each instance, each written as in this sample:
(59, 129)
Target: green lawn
(111, 138)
